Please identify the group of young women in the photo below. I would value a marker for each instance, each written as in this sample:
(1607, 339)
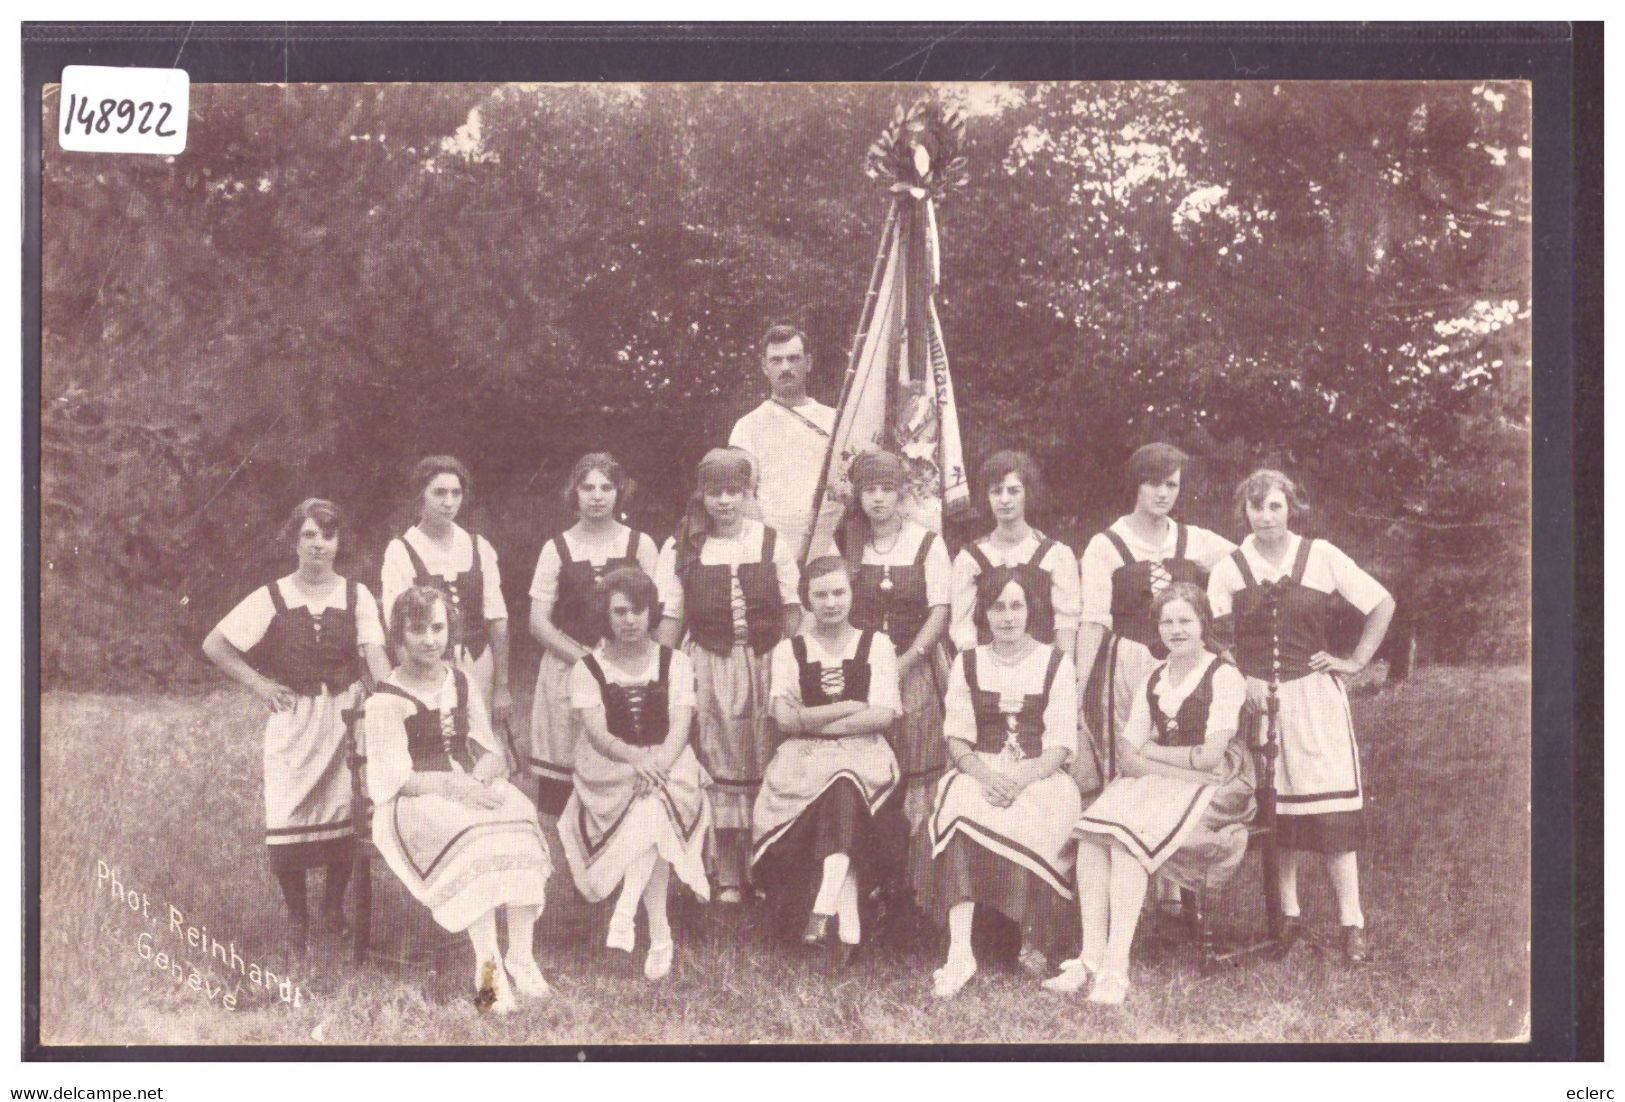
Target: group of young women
(718, 711)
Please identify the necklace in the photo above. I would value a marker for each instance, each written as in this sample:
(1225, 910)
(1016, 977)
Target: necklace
(886, 584)
(895, 537)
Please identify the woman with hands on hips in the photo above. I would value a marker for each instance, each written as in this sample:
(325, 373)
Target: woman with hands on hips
(301, 644)
(1279, 591)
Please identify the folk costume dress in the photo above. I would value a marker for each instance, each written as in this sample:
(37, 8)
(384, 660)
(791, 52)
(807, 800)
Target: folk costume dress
(819, 795)
(1192, 832)
(1049, 567)
(565, 589)
(787, 449)
(1015, 859)
(1283, 614)
(605, 825)
(894, 592)
(457, 860)
(731, 596)
(470, 581)
(310, 644)
(1120, 575)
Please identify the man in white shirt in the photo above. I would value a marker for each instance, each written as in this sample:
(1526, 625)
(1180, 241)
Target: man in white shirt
(787, 438)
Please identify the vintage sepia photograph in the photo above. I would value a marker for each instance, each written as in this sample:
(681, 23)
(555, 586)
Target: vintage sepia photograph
(795, 563)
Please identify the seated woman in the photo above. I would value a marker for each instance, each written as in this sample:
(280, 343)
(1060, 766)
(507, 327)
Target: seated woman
(834, 693)
(637, 808)
(1001, 829)
(1181, 806)
(298, 644)
(461, 838)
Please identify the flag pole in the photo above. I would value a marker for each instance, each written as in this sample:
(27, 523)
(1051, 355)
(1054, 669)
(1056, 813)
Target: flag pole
(865, 320)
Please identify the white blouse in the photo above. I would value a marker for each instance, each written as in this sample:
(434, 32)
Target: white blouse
(389, 762)
(1025, 678)
(883, 691)
(1328, 570)
(938, 570)
(398, 575)
(585, 693)
(1229, 691)
(1100, 561)
(1059, 563)
(246, 624)
(544, 584)
(743, 548)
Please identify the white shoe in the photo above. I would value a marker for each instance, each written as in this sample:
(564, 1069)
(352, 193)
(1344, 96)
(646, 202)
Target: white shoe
(528, 979)
(493, 990)
(622, 934)
(657, 965)
(1109, 990)
(947, 980)
(1070, 980)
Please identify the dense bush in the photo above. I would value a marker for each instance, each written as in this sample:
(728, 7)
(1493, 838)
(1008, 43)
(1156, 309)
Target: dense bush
(334, 280)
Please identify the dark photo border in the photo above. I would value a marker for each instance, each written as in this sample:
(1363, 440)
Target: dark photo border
(1562, 61)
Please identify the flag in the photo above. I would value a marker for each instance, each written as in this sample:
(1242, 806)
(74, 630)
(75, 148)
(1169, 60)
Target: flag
(898, 394)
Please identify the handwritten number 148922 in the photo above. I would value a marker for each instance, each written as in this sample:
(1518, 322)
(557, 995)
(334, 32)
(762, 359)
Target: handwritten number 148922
(119, 116)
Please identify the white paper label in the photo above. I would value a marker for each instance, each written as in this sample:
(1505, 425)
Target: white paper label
(105, 109)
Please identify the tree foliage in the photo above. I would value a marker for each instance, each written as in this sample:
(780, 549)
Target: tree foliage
(334, 280)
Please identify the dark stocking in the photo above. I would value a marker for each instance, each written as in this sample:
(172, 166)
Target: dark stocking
(338, 878)
(293, 892)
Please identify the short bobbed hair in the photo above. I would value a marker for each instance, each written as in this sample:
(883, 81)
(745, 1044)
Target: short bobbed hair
(1153, 463)
(414, 608)
(783, 333)
(993, 583)
(608, 466)
(818, 568)
(327, 516)
(1193, 595)
(1257, 486)
(431, 467)
(638, 589)
(1002, 464)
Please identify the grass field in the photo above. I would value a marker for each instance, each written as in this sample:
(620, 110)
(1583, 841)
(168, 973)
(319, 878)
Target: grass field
(166, 791)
